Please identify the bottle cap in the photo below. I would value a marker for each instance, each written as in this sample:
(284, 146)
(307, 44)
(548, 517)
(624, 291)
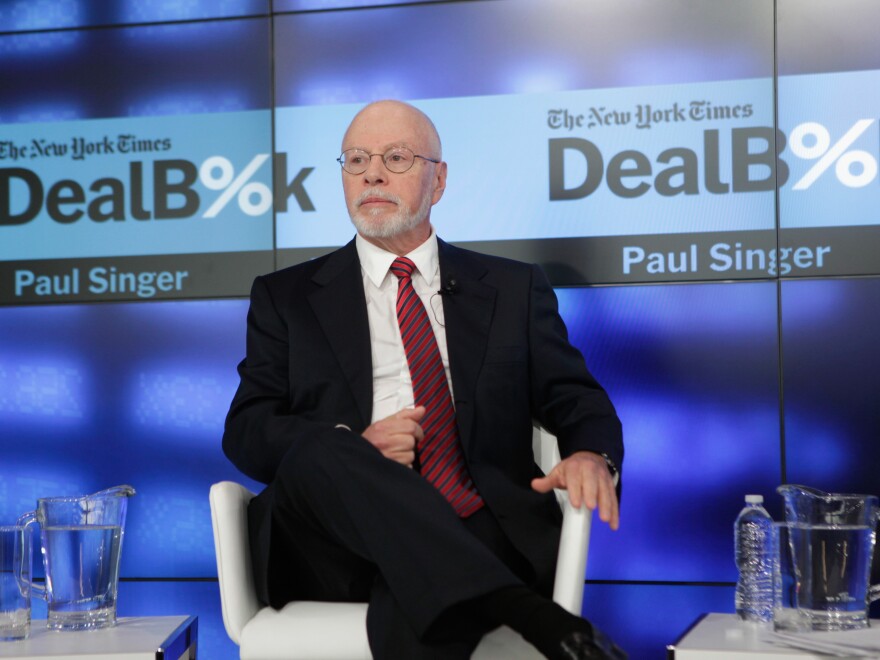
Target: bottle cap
(754, 499)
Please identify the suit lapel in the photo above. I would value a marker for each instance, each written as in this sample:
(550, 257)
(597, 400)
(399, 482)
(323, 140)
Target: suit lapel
(341, 309)
(468, 316)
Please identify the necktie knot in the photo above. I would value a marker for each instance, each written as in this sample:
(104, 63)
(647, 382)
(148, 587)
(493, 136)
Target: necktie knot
(402, 267)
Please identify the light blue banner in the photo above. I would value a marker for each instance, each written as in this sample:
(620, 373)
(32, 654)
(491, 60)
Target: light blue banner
(136, 186)
(610, 162)
(831, 124)
(675, 159)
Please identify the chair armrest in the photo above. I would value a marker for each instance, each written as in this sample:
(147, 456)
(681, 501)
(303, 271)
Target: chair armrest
(571, 561)
(574, 542)
(238, 597)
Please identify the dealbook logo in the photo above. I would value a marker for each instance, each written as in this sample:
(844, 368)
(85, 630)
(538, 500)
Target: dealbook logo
(746, 159)
(164, 189)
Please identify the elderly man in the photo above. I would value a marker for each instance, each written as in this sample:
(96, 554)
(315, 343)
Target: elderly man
(387, 399)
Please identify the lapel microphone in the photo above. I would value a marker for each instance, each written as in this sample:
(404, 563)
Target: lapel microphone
(450, 288)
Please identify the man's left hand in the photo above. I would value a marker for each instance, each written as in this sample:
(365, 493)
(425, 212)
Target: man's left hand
(586, 477)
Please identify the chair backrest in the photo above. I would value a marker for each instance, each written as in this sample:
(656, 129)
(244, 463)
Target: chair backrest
(238, 597)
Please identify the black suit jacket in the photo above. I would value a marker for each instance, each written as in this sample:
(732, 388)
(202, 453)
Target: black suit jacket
(308, 368)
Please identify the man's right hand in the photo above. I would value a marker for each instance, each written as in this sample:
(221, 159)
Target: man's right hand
(396, 436)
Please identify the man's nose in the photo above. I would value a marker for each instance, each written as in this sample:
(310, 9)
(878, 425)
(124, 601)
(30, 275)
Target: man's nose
(376, 172)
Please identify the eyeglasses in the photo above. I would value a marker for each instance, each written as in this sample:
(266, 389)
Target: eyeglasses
(396, 159)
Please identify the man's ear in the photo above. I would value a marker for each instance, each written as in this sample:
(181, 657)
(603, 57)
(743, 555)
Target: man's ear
(439, 182)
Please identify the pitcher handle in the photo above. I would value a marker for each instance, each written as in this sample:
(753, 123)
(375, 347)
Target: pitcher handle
(26, 520)
(873, 593)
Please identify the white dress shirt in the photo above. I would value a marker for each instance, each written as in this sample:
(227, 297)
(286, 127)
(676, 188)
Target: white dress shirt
(392, 384)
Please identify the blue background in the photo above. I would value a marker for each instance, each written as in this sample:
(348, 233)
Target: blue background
(723, 388)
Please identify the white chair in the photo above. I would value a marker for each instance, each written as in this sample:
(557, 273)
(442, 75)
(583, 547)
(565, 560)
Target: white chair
(309, 630)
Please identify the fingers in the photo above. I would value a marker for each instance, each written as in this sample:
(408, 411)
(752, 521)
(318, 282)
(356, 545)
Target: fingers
(396, 435)
(553, 479)
(414, 414)
(586, 478)
(597, 492)
(608, 507)
(540, 485)
(402, 456)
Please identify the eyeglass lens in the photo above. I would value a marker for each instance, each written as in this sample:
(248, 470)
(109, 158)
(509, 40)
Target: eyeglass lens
(397, 159)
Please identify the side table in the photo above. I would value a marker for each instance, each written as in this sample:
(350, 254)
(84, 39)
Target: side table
(132, 638)
(726, 637)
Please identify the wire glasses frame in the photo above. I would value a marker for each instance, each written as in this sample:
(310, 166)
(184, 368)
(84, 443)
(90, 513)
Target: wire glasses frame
(396, 159)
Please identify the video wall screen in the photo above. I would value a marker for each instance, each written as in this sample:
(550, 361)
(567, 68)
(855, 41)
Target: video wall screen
(832, 420)
(651, 616)
(600, 146)
(325, 5)
(693, 372)
(610, 150)
(829, 111)
(135, 163)
(717, 159)
(151, 174)
(93, 396)
(32, 15)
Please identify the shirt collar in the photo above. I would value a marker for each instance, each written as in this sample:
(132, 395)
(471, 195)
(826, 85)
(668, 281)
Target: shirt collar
(376, 262)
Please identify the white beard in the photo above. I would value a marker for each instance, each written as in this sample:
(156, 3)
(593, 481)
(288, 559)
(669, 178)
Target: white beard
(401, 221)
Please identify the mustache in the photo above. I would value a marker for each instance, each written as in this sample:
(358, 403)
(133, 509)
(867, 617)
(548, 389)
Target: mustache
(376, 193)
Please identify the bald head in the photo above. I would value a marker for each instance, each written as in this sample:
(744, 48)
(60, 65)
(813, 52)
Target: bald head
(396, 116)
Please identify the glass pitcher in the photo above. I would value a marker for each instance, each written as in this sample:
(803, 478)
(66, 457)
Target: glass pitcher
(81, 542)
(829, 547)
(15, 582)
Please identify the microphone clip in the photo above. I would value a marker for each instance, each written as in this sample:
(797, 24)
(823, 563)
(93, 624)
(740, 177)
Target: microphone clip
(450, 287)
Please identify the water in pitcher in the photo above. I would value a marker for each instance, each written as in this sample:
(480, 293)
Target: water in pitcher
(15, 589)
(831, 539)
(14, 624)
(83, 563)
(833, 563)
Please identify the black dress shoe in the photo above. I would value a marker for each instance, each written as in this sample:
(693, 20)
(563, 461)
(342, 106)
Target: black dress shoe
(581, 646)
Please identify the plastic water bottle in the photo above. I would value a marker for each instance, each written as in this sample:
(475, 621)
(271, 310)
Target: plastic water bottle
(753, 534)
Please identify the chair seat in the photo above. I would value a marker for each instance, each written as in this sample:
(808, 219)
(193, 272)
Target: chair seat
(309, 630)
(507, 644)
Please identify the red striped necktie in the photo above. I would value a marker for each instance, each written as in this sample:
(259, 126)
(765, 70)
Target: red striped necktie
(440, 456)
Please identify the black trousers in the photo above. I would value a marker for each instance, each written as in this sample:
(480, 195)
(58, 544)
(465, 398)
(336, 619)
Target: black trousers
(350, 525)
